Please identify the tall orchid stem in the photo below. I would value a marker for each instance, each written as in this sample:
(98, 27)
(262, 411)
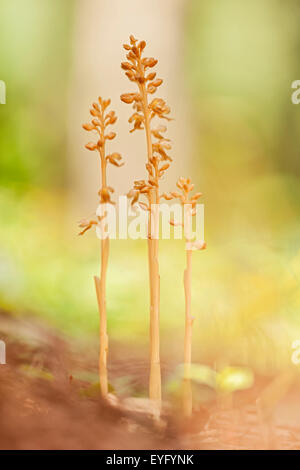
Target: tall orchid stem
(100, 285)
(154, 279)
(187, 387)
(137, 70)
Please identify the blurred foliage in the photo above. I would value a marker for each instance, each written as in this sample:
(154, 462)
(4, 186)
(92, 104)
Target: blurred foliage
(36, 372)
(245, 295)
(35, 63)
(208, 383)
(232, 379)
(241, 58)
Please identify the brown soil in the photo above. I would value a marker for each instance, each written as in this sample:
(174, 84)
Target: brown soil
(43, 406)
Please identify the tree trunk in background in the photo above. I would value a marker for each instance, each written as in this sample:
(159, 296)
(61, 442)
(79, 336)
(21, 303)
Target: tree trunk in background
(101, 27)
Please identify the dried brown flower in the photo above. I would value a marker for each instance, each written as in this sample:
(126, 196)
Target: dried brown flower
(86, 225)
(137, 70)
(186, 187)
(100, 122)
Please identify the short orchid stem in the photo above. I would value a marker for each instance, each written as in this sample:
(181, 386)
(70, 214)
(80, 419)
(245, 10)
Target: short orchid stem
(189, 207)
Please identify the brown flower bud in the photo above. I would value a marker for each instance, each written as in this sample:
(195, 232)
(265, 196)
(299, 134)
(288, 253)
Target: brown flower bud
(196, 196)
(112, 119)
(88, 127)
(131, 56)
(130, 74)
(167, 197)
(135, 198)
(126, 66)
(115, 159)
(106, 103)
(151, 89)
(117, 156)
(145, 190)
(140, 78)
(151, 76)
(127, 98)
(104, 195)
(149, 62)
(149, 169)
(111, 136)
(91, 146)
(165, 167)
(157, 82)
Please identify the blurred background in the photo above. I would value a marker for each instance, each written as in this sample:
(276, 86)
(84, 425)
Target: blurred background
(227, 67)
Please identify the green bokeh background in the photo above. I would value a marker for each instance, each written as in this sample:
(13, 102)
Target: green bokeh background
(240, 61)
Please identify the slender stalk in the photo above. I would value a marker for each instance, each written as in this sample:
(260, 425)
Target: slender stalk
(138, 69)
(155, 372)
(99, 124)
(100, 285)
(187, 388)
(154, 279)
(189, 204)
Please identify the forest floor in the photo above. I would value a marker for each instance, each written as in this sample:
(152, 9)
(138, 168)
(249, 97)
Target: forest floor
(45, 405)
